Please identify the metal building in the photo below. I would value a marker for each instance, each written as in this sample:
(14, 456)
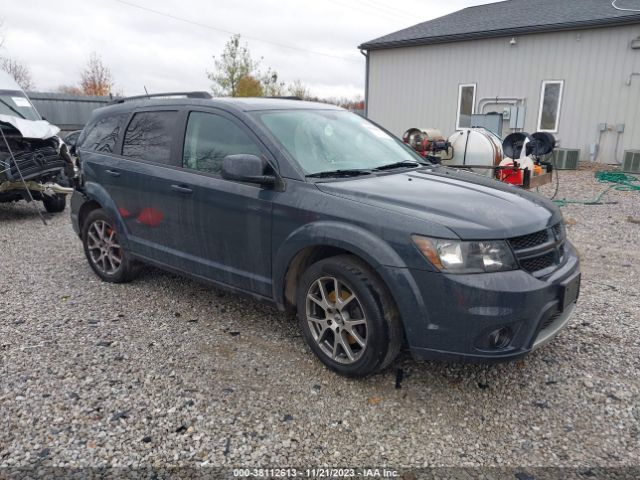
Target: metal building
(69, 112)
(573, 66)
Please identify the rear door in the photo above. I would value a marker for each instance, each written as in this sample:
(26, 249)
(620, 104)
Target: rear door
(141, 182)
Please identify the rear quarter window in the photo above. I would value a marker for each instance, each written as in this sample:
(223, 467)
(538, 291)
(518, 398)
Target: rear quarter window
(150, 135)
(102, 135)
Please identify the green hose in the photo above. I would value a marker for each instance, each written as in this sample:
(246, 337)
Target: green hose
(621, 181)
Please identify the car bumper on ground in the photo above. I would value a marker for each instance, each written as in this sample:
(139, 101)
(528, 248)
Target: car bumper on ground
(485, 317)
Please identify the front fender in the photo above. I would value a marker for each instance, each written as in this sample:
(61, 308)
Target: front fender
(363, 243)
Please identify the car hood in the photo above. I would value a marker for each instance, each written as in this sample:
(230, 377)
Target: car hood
(40, 129)
(472, 206)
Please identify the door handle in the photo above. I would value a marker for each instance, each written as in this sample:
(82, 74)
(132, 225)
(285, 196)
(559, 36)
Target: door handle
(113, 173)
(181, 189)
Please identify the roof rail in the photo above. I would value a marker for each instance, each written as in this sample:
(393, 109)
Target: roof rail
(205, 95)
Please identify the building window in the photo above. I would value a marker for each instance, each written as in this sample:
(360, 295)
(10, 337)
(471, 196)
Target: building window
(466, 105)
(550, 100)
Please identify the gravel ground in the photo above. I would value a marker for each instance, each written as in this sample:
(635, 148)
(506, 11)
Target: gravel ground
(167, 371)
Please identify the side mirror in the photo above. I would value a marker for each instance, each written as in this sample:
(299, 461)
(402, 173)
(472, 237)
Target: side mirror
(246, 168)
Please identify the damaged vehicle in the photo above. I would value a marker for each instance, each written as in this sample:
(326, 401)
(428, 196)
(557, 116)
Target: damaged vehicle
(34, 162)
(327, 215)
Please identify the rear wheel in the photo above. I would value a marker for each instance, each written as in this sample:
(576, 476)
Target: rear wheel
(347, 316)
(54, 203)
(102, 248)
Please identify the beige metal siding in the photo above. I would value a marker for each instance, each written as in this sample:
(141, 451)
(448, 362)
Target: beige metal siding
(418, 86)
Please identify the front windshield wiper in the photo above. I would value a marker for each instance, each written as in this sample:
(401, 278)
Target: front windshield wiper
(404, 163)
(340, 173)
(13, 109)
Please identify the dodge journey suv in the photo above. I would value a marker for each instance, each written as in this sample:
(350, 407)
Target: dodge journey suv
(326, 214)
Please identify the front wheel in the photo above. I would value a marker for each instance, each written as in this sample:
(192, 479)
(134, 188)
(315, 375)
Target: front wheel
(348, 317)
(54, 203)
(102, 248)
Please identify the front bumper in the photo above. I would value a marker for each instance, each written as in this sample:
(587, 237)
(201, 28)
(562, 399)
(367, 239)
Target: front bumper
(453, 316)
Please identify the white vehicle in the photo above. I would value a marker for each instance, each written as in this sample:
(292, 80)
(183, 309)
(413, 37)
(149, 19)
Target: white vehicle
(34, 161)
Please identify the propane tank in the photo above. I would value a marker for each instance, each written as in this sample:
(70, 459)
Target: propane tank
(425, 141)
(475, 146)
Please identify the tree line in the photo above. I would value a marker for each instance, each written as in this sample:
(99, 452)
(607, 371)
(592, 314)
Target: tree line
(235, 73)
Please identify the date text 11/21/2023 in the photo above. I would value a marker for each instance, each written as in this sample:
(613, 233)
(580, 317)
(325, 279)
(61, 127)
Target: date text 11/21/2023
(322, 472)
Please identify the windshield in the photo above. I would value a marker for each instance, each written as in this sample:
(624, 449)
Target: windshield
(16, 104)
(330, 140)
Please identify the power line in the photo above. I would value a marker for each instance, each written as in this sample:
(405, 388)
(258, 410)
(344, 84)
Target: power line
(209, 27)
(368, 10)
(386, 9)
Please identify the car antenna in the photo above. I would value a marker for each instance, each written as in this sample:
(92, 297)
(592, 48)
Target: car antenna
(145, 91)
(15, 162)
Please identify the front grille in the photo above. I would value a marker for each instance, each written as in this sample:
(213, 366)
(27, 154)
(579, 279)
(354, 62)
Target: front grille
(32, 163)
(539, 251)
(531, 240)
(538, 263)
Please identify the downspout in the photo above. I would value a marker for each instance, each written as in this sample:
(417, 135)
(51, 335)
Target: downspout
(366, 82)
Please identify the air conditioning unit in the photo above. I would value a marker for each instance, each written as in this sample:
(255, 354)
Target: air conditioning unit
(565, 158)
(631, 162)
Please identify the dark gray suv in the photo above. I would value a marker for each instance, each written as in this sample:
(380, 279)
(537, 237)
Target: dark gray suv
(324, 213)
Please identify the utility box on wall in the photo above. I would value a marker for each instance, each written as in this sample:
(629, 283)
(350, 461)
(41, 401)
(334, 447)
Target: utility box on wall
(490, 121)
(516, 118)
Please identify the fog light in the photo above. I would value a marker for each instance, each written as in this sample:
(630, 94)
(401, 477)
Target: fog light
(500, 338)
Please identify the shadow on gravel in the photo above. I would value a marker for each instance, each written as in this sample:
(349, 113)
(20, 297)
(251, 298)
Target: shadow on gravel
(19, 212)
(405, 373)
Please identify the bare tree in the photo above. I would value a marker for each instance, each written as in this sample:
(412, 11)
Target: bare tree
(299, 89)
(96, 78)
(70, 90)
(19, 71)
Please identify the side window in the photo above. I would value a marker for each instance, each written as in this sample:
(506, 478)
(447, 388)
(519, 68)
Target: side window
(210, 138)
(149, 136)
(550, 100)
(103, 134)
(466, 105)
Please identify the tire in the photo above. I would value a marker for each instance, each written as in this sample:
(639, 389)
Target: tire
(365, 320)
(54, 204)
(103, 250)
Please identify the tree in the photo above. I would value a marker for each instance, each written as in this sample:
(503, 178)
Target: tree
(96, 78)
(249, 86)
(299, 89)
(234, 64)
(236, 68)
(70, 90)
(271, 84)
(19, 71)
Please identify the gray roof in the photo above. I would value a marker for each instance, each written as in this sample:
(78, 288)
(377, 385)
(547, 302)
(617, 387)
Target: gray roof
(511, 17)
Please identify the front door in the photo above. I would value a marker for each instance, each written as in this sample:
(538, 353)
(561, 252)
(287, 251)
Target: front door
(228, 237)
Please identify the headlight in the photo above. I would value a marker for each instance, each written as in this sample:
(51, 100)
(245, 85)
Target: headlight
(456, 256)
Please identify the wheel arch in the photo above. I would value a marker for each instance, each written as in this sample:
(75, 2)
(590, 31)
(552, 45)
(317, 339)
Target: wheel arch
(315, 242)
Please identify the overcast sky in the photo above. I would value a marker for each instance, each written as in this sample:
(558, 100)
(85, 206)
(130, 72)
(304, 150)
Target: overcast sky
(143, 48)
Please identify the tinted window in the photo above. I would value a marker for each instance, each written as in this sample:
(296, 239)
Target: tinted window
(149, 136)
(210, 138)
(103, 134)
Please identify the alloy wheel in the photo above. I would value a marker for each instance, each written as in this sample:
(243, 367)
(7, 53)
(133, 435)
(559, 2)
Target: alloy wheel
(336, 320)
(104, 250)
